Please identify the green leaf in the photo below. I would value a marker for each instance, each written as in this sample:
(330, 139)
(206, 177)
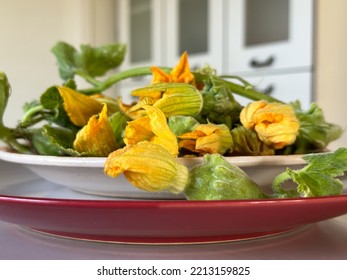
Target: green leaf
(71, 83)
(98, 60)
(317, 178)
(219, 104)
(118, 122)
(181, 124)
(247, 143)
(90, 62)
(51, 99)
(66, 59)
(56, 141)
(315, 133)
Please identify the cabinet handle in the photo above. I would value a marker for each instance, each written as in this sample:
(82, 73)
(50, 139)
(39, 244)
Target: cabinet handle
(268, 90)
(268, 62)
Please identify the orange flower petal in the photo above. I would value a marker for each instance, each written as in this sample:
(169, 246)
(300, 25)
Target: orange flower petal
(181, 73)
(159, 76)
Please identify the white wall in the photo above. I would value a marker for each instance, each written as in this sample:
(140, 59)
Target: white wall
(331, 63)
(29, 29)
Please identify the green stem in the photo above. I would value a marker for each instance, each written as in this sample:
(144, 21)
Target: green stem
(245, 90)
(250, 93)
(5, 89)
(131, 73)
(7, 135)
(243, 81)
(31, 112)
(280, 179)
(88, 78)
(279, 191)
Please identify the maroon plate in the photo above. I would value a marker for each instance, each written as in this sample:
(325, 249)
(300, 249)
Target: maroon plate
(169, 222)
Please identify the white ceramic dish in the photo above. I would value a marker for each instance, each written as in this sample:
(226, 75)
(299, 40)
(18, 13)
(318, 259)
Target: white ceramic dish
(85, 174)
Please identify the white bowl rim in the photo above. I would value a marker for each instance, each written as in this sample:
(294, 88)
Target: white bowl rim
(241, 161)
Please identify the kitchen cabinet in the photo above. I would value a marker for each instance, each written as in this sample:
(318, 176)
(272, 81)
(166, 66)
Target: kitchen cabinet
(261, 40)
(157, 32)
(286, 87)
(195, 26)
(272, 44)
(271, 34)
(140, 25)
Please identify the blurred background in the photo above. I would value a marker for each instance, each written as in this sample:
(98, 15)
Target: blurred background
(290, 49)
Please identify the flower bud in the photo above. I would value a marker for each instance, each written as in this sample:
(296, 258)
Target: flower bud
(275, 123)
(207, 138)
(180, 73)
(152, 127)
(96, 138)
(149, 167)
(171, 98)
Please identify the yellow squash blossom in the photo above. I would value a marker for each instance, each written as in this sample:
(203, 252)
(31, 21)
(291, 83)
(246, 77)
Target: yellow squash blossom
(79, 107)
(149, 167)
(275, 123)
(154, 128)
(171, 98)
(96, 138)
(207, 138)
(174, 93)
(180, 74)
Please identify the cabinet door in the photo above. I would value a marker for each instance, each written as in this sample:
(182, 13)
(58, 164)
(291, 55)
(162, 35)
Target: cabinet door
(284, 87)
(195, 26)
(272, 34)
(140, 27)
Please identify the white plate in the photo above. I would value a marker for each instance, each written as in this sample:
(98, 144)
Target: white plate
(85, 174)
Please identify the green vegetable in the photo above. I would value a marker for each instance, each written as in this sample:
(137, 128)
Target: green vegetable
(224, 83)
(8, 135)
(219, 106)
(317, 178)
(182, 124)
(118, 122)
(90, 62)
(5, 94)
(216, 179)
(314, 133)
(246, 142)
(56, 141)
